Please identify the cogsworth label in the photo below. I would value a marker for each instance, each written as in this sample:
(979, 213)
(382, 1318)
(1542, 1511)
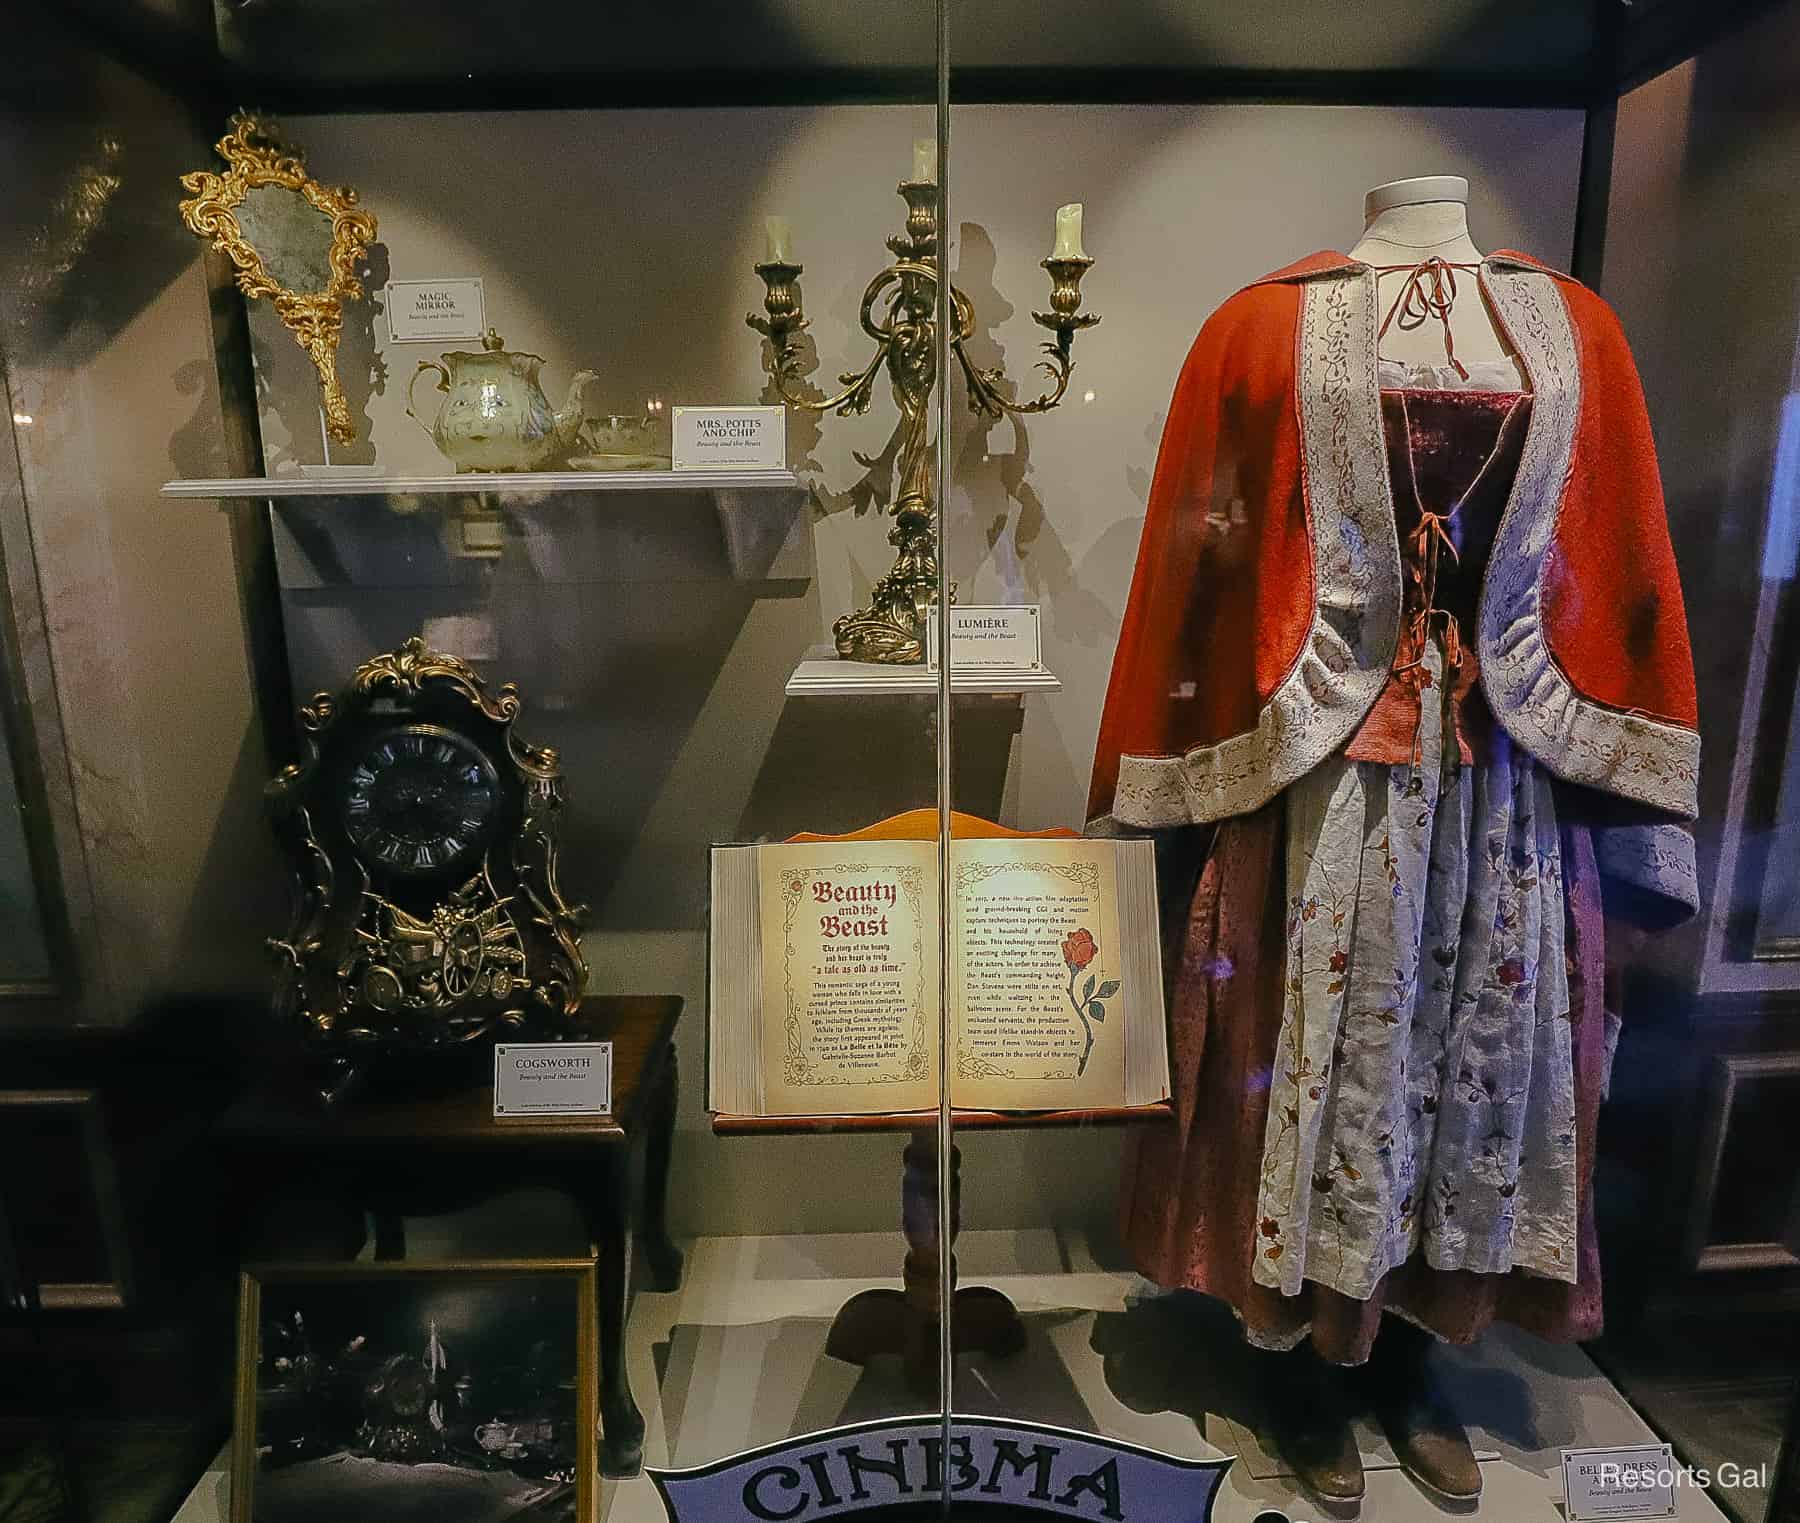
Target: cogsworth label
(553, 1079)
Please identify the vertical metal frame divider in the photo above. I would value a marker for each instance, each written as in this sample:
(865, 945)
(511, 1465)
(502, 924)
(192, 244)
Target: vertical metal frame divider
(946, 321)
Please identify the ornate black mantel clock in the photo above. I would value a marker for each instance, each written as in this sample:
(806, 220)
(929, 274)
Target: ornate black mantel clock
(422, 833)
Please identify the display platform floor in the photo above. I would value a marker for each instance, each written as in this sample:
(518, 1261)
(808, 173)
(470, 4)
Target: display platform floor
(736, 1358)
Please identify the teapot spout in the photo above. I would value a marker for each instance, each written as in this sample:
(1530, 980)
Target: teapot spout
(573, 413)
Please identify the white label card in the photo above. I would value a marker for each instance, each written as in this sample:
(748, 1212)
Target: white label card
(1003, 639)
(553, 1079)
(1631, 1481)
(730, 438)
(425, 311)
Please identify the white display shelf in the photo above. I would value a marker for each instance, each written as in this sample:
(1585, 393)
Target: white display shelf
(559, 527)
(500, 483)
(821, 674)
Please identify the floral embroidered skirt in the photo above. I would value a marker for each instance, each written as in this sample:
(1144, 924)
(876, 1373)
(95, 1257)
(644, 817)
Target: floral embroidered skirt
(1388, 1046)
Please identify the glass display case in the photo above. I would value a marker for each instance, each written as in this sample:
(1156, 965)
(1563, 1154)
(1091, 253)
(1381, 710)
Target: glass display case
(1084, 651)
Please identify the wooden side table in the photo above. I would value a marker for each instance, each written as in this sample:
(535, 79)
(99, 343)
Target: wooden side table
(405, 1151)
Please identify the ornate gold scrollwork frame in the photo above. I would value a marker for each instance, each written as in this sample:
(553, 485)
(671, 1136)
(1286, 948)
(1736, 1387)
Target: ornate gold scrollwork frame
(515, 897)
(255, 157)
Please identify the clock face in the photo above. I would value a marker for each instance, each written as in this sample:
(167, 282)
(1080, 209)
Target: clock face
(419, 799)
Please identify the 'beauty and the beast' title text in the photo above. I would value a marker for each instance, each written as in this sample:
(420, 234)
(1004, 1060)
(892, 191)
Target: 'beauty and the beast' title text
(861, 902)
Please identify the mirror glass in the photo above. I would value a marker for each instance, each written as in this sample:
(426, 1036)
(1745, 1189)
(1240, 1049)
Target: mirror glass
(291, 234)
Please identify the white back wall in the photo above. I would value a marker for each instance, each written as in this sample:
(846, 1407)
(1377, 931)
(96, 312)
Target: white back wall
(623, 242)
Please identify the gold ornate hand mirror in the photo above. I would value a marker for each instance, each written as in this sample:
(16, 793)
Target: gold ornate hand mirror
(290, 238)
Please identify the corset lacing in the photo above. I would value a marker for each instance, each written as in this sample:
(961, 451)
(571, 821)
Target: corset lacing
(1430, 291)
(1425, 548)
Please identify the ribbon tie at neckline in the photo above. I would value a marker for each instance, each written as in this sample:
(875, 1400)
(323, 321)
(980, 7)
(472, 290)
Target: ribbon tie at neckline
(1430, 291)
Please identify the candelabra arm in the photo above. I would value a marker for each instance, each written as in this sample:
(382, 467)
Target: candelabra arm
(859, 386)
(1064, 319)
(786, 322)
(986, 397)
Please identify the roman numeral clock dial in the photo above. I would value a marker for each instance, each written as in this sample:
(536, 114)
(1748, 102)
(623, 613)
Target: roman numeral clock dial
(418, 799)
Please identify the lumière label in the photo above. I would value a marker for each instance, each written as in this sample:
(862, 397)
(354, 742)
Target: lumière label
(999, 638)
(553, 1078)
(421, 311)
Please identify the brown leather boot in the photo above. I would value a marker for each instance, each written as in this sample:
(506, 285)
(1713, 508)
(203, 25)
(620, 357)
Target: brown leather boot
(1428, 1438)
(1309, 1423)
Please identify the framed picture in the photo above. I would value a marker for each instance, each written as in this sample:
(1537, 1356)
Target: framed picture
(459, 1392)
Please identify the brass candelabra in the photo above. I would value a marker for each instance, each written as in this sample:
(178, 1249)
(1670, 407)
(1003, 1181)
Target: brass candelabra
(891, 630)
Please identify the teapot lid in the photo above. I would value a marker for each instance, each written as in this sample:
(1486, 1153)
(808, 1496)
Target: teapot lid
(492, 345)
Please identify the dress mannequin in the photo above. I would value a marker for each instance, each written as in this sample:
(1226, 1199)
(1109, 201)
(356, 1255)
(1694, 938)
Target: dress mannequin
(1399, 799)
(1406, 222)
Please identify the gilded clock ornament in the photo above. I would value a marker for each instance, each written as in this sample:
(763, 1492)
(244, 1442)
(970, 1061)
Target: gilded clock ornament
(422, 831)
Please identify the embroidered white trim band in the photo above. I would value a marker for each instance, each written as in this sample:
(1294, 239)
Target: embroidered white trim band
(1576, 738)
(1356, 576)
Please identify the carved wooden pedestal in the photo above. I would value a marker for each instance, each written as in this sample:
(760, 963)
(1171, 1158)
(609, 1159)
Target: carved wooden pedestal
(905, 1321)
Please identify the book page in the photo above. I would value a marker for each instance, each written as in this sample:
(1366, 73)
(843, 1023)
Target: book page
(1038, 976)
(850, 977)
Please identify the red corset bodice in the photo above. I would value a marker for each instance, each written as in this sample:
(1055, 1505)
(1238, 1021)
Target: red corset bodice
(1452, 457)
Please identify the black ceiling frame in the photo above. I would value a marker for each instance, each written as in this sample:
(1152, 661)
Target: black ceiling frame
(1633, 41)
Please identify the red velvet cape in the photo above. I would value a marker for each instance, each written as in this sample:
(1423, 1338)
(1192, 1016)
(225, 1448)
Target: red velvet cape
(1264, 612)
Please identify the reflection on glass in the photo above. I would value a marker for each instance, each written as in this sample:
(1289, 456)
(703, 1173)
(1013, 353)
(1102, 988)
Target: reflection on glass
(24, 956)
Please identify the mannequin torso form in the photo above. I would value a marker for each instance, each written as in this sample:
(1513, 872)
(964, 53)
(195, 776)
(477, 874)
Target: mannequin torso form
(1407, 221)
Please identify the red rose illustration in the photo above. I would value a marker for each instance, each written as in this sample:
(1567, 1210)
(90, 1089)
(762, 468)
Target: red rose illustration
(1339, 961)
(1079, 949)
(1512, 971)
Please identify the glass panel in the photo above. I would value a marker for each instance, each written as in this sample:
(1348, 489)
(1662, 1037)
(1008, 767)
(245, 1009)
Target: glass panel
(1697, 179)
(672, 637)
(24, 955)
(1312, 724)
(1399, 913)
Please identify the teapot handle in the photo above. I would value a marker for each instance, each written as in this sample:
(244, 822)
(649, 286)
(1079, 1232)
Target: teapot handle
(442, 385)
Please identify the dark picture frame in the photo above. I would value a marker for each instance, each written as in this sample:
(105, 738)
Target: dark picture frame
(398, 1403)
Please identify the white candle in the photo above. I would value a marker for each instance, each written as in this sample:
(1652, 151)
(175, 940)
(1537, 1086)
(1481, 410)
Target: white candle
(1068, 233)
(925, 161)
(777, 241)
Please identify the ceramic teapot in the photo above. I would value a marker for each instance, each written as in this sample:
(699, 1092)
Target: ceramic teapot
(494, 416)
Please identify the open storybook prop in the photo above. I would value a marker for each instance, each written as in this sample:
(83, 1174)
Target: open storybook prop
(825, 987)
